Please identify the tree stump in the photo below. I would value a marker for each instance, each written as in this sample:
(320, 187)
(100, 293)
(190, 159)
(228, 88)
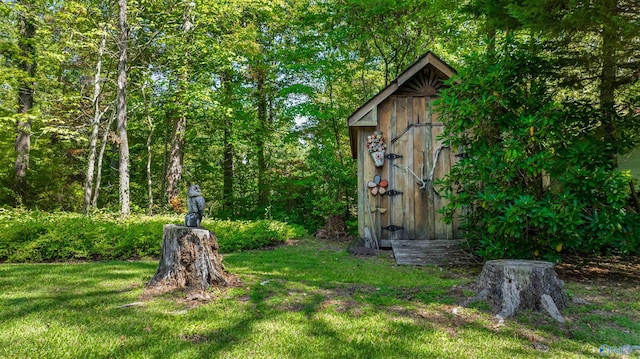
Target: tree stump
(515, 285)
(189, 260)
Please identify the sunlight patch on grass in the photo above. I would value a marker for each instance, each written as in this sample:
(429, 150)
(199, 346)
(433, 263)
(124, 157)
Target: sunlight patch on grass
(296, 301)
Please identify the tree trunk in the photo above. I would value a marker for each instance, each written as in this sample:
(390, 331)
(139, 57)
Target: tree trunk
(123, 167)
(336, 125)
(27, 65)
(227, 139)
(261, 139)
(166, 140)
(105, 136)
(607, 82)
(515, 285)
(174, 167)
(176, 152)
(95, 123)
(189, 260)
(149, 153)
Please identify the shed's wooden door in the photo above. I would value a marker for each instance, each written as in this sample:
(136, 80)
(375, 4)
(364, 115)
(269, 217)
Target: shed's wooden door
(411, 131)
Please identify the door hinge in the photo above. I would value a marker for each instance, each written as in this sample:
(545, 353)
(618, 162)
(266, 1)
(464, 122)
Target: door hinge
(393, 192)
(392, 156)
(392, 228)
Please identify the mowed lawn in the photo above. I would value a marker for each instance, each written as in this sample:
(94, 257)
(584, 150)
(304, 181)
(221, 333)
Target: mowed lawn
(306, 300)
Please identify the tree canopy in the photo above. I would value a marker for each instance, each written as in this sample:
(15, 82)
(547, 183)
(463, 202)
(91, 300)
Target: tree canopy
(250, 99)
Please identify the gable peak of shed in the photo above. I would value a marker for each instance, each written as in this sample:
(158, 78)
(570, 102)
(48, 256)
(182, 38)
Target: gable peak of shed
(423, 78)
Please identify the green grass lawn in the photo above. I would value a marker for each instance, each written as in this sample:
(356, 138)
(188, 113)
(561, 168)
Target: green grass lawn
(308, 300)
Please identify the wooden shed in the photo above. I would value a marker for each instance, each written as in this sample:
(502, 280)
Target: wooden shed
(397, 204)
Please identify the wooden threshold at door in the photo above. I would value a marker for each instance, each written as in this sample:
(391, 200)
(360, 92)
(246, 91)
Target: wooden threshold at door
(429, 252)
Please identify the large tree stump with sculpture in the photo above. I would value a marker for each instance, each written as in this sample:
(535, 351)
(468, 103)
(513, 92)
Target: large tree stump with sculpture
(189, 261)
(515, 285)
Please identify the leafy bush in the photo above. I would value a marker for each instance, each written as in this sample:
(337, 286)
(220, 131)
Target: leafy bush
(239, 235)
(536, 179)
(33, 236)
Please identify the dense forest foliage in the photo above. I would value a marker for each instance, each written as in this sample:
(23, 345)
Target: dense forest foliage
(119, 106)
(247, 98)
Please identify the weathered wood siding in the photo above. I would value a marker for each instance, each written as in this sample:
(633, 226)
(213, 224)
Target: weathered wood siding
(411, 130)
(366, 171)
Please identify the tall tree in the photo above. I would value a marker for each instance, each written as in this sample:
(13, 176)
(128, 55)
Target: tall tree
(262, 133)
(27, 64)
(95, 125)
(149, 151)
(227, 144)
(123, 169)
(176, 151)
(105, 136)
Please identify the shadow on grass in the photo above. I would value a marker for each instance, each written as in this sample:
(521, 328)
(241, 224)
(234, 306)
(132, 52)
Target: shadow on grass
(426, 331)
(76, 287)
(298, 302)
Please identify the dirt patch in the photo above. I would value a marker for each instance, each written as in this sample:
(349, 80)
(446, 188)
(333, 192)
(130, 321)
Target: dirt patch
(449, 318)
(194, 338)
(334, 229)
(272, 246)
(194, 298)
(603, 269)
(614, 269)
(328, 246)
(340, 305)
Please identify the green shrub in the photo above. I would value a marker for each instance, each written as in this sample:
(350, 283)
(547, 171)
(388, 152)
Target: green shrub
(536, 180)
(33, 236)
(239, 235)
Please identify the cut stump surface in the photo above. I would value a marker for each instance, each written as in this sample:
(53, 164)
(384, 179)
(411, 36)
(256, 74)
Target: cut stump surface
(515, 285)
(189, 260)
